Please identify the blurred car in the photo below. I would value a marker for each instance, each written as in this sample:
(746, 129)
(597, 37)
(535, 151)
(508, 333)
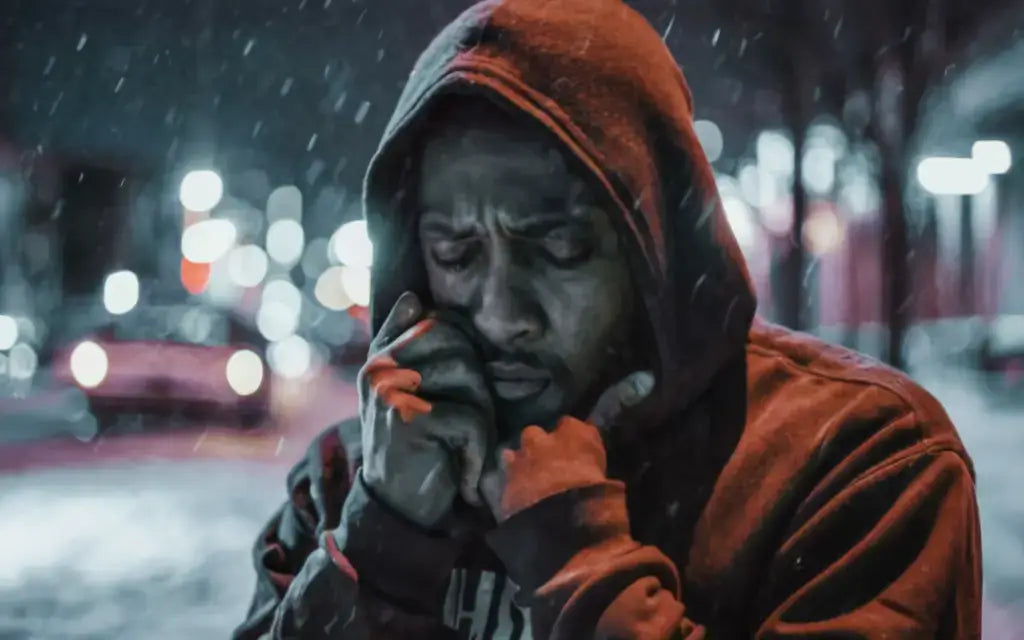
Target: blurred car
(170, 379)
(157, 367)
(138, 388)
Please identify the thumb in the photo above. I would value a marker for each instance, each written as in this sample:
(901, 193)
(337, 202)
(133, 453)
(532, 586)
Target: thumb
(626, 393)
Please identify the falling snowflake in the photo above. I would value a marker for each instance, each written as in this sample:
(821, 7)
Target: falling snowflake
(363, 110)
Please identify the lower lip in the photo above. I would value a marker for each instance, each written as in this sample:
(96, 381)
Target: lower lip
(513, 390)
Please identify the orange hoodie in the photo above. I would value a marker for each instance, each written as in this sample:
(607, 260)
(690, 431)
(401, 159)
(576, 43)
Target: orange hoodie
(775, 487)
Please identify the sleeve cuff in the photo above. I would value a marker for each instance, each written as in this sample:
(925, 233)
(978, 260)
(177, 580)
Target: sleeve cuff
(537, 542)
(396, 559)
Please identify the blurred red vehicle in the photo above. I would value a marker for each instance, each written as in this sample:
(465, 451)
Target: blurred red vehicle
(230, 384)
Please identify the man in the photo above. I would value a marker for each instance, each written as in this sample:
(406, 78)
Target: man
(571, 425)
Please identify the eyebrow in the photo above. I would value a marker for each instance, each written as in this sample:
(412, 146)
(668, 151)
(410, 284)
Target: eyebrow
(551, 214)
(542, 224)
(435, 223)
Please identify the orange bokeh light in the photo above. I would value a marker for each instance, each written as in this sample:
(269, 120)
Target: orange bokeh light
(194, 276)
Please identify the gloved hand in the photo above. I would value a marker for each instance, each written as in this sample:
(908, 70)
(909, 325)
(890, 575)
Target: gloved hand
(571, 456)
(427, 416)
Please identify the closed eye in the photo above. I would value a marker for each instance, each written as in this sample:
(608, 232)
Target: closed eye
(566, 247)
(454, 254)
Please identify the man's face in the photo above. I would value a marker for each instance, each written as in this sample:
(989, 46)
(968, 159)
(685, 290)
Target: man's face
(514, 239)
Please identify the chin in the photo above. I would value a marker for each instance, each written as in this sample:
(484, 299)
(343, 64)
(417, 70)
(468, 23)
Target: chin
(543, 411)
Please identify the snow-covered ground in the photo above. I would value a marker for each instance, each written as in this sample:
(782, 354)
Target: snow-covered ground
(993, 430)
(161, 550)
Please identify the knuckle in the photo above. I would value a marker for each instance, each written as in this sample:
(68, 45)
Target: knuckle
(532, 434)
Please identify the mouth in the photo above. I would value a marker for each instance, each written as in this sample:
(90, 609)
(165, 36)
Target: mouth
(514, 381)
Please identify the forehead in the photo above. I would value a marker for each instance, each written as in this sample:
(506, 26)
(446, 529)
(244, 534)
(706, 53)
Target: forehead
(482, 153)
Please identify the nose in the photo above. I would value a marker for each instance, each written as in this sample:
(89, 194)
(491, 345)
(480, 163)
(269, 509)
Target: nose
(507, 315)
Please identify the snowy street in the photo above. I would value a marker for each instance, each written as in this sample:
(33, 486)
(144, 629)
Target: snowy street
(161, 550)
(155, 551)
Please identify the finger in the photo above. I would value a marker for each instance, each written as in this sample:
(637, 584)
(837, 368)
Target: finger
(431, 339)
(531, 436)
(371, 372)
(406, 311)
(447, 364)
(410, 336)
(472, 469)
(406, 405)
(463, 430)
(628, 392)
(384, 380)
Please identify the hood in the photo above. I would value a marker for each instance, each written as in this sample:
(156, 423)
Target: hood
(597, 76)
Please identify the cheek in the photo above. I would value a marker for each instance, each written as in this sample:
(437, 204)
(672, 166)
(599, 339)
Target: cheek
(585, 311)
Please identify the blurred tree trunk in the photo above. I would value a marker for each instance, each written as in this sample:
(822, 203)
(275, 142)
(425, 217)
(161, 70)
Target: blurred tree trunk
(895, 252)
(793, 259)
(968, 278)
(913, 46)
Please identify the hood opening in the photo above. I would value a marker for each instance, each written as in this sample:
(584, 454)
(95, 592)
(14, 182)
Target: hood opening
(621, 107)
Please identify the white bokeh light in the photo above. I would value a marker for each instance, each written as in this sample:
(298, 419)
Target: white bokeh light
(8, 332)
(284, 292)
(201, 190)
(350, 245)
(89, 364)
(356, 282)
(28, 329)
(330, 290)
(823, 231)
(741, 220)
(952, 176)
(285, 241)
(244, 372)
(208, 240)
(777, 217)
(121, 292)
(285, 203)
(710, 137)
(831, 135)
(276, 320)
(22, 362)
(290, 358)
(819, 168)
(247, 265)
(749, 182)
(994, 156)
(775, 153)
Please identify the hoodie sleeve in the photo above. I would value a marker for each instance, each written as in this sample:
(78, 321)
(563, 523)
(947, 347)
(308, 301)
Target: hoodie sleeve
(893, 552)
(322, 572)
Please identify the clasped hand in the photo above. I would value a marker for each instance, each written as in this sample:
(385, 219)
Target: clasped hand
(428, 429)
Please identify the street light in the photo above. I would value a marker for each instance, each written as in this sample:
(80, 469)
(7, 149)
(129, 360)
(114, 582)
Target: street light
(993, 156)
(952, 176)
(201, 190)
